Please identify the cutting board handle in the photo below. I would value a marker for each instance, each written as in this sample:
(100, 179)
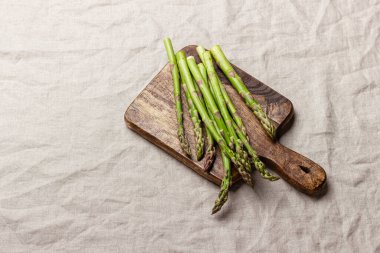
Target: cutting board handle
(297, 170)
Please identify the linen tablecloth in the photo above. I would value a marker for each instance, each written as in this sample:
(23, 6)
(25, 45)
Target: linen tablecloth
(73, 178)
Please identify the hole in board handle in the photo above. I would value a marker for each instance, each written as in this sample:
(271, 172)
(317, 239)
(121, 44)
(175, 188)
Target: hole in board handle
(305, 169)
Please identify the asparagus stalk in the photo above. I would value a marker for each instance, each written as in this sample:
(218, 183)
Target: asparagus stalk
(214, 108)
(199, 142)
(213, 120)
(202, 68)
(239, 126)
(256, 160)
(231, 106)
(177, 97)
(240, 87)
(215, 84)
(216, 89)
(186, 75)
(232, 109)
(185, 72)
(201, 51)
(225, 186)
(209, 100)
(210, 149)
(240, 129)
(203, 71)
(227, 179)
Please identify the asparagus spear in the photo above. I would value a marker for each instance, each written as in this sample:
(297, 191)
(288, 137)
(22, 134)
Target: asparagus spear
(185, 73)
(203, 71)
(240, 87)
(201, 51)
(231, 108)
(210, 149)
(227, 179)
(256, 160)
(239, 126)
(229, 103)
(177, 97)
(196, 122)
(240, 129)
(199, 84)
(202, 67)
(215, 84)
(214, 108)
(225, 186)
(216, 90)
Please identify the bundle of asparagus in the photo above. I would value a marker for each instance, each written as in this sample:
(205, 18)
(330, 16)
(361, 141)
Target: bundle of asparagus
(209, 102)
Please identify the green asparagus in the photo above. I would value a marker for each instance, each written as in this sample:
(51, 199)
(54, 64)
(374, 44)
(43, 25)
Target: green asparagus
(177, 97)
(201, 51)
(240, 87)
(231, 106)
(214, 83)
(185, 73)
(209, 99)
(255, 158)
(203, 71)
(199, 141)
(225, 186)
(210, 149)
(232, 109)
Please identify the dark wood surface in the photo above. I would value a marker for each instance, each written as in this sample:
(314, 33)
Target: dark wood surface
(152, 115)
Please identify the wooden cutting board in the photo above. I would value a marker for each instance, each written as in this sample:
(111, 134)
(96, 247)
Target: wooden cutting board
(152, 115)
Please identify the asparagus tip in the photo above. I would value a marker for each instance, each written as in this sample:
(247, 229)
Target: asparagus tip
(222, 199)
(209, 160)
(215, 209)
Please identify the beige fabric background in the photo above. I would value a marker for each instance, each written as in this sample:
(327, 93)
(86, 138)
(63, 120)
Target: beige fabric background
(73, 178)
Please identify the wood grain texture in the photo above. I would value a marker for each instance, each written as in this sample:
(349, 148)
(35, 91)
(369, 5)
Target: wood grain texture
(152, 115)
